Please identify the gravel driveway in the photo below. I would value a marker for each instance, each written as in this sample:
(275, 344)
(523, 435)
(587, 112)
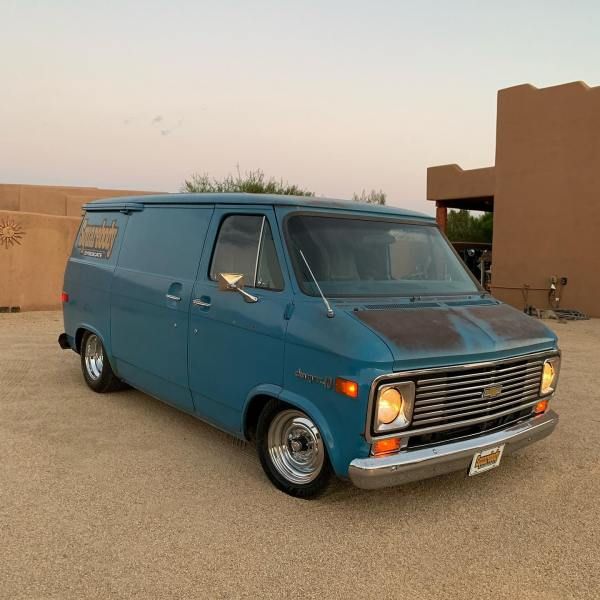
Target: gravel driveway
(120, 496)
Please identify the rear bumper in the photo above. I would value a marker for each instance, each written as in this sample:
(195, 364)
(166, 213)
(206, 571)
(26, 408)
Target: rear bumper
(413, 465)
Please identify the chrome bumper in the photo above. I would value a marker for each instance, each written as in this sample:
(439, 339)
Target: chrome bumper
(413, 465)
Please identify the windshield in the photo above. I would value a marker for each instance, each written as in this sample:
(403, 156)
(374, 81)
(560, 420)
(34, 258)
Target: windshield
(362, 257)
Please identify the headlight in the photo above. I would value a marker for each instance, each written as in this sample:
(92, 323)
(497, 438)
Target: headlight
(388, 405)
(549, 375)
(394, 406)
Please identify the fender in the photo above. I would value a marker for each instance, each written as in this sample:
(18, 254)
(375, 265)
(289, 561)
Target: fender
(311, 409)
(264, 389)
(300, 402)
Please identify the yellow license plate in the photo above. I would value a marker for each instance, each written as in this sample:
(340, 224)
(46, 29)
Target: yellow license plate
(486, 459)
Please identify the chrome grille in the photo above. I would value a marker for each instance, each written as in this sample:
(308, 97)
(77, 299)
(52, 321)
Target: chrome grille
(456, 398)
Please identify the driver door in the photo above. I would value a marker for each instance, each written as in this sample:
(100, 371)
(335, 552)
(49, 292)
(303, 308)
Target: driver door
(236, 345)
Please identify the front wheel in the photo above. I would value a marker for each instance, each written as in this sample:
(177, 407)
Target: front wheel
(97, 371)
(292, 451)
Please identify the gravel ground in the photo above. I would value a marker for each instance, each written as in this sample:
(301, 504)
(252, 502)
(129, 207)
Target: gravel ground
(120, 496)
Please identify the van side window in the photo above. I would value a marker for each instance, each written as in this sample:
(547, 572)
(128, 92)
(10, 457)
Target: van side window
(245, 245)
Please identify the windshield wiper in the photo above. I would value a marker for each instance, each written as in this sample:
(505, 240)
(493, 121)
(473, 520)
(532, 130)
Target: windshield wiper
(330, 312)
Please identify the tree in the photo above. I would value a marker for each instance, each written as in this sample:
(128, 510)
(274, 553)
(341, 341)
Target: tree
(252, 182)
(464, 227)
(373, 197)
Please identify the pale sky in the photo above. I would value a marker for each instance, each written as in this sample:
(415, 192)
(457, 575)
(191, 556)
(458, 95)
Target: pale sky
(332, 95)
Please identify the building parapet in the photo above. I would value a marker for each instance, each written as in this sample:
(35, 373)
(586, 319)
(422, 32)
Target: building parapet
(448, 182)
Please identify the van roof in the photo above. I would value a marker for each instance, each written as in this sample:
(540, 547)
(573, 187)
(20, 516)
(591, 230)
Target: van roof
(130, 202)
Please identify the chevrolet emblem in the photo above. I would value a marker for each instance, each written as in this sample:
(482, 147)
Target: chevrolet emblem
(491, 391)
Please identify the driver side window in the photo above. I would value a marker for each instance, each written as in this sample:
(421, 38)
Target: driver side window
(245, 245)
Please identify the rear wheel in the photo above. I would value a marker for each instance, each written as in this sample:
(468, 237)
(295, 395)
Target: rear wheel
(292, 451)
(97, 372)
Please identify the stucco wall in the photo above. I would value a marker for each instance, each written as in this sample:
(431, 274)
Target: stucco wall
(37, 228)
(53, 200)
(33, 258)
(547, 200)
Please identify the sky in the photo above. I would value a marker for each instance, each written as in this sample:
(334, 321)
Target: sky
(334, 96)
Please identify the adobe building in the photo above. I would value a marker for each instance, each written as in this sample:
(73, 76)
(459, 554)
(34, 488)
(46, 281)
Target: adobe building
(38, 225)
(544, 191)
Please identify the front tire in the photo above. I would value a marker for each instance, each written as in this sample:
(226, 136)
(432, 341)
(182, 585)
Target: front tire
(292, 451)
(97, 372)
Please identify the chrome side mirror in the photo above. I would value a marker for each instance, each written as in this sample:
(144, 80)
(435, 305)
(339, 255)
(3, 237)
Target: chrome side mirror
(234, 282)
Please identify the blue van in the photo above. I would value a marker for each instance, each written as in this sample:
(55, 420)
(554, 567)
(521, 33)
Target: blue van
(341, 338)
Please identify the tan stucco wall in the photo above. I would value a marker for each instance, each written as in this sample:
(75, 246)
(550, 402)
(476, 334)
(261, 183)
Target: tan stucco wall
(54, 200)
(447, 182)
(31, 273)
(37, 227)
(547, 201)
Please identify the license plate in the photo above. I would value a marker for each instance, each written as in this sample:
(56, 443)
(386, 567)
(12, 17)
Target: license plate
(485, 460)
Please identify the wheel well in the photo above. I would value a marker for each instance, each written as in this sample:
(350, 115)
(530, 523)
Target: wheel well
(78, 339)
(252, 413)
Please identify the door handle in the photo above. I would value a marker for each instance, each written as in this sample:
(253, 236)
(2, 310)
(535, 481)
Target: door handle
(172, 297)
(200, 302)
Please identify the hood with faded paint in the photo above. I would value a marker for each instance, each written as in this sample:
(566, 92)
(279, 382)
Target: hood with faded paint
(422, 336)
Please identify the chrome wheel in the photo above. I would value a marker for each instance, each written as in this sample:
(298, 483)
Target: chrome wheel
(94, 357)
(295, 447)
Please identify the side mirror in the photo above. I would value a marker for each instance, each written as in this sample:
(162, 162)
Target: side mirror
(234, 282)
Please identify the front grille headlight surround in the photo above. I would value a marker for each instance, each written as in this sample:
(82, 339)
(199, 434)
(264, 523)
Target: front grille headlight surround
(550, 372)
(394, 404)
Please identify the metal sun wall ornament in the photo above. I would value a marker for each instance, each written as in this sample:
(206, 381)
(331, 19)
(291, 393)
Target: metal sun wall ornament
(11, 233)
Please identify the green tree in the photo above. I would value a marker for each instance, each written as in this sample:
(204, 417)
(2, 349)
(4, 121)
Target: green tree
(252, 182)
(373, 197)
(465, 227)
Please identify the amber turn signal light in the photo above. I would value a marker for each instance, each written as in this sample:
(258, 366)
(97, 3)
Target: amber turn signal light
(346, 387)
(386, 446)
(541, 407)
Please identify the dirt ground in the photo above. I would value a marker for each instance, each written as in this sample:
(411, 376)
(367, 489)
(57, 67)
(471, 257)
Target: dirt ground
(120, 496)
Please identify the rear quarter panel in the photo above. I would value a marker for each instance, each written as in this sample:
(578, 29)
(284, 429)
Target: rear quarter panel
(89, 272)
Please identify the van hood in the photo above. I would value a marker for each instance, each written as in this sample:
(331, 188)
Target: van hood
(421, 337)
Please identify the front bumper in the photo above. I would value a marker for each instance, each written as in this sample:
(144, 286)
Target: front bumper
(413, 465)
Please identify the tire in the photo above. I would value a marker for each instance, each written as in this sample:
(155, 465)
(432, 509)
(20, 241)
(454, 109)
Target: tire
(292, 451)
(97, 372)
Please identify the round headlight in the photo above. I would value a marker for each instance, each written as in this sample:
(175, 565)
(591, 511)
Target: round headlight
(548, 377)
(394, 404)
(389, 405)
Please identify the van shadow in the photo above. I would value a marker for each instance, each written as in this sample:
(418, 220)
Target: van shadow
(242, 461)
